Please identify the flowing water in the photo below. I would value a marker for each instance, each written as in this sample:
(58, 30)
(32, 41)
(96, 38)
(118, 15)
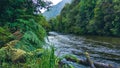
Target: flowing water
(101, 49)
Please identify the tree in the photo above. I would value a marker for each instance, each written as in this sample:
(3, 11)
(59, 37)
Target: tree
(21, 15)
(97, 17)
(13, 9)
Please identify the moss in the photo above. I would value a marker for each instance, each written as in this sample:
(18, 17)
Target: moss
(71, 56)
(11, 54)
(17, 55)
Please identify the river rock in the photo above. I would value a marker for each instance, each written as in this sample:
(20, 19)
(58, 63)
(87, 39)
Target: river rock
(53, 33)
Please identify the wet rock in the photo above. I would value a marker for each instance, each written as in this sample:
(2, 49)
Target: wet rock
(53, 33)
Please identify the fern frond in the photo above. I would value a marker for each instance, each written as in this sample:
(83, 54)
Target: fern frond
(30, 41)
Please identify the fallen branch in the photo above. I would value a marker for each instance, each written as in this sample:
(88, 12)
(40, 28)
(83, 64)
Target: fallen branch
(86, 63)
(89, 60)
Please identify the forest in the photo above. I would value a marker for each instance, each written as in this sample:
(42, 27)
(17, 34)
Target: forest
(24, 30)
(91, 17)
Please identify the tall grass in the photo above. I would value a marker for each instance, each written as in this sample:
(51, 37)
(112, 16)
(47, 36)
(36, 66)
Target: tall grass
(44, 60)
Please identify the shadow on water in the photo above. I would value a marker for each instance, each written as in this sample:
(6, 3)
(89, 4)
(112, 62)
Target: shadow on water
(113, 42)
(101, 49)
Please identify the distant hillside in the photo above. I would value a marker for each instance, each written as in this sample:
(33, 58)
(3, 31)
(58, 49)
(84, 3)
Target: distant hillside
(55, 10)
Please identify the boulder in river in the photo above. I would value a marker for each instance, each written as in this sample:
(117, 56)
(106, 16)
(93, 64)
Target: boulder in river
(53, 33)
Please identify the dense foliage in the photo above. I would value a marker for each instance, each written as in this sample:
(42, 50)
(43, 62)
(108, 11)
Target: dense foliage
(20, 16)
(94, 17)
(22, 33)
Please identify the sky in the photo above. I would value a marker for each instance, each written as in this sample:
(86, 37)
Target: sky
(54, 3)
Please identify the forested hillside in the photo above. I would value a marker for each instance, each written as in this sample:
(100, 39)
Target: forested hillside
(93, 17)
(55, 9)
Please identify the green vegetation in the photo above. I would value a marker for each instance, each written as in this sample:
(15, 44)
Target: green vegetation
(93, 17)
(19, 16)
(22, 33)
(23, 29)
(39, 58)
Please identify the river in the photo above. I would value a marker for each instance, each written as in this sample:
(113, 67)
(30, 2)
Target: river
(101, 49)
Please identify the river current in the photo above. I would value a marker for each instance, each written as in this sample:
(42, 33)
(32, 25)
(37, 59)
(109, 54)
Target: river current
(101, 49)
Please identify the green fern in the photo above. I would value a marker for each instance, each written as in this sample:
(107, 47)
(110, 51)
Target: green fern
(29, 41)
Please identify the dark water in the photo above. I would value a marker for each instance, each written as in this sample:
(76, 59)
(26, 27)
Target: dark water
(101, 49)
